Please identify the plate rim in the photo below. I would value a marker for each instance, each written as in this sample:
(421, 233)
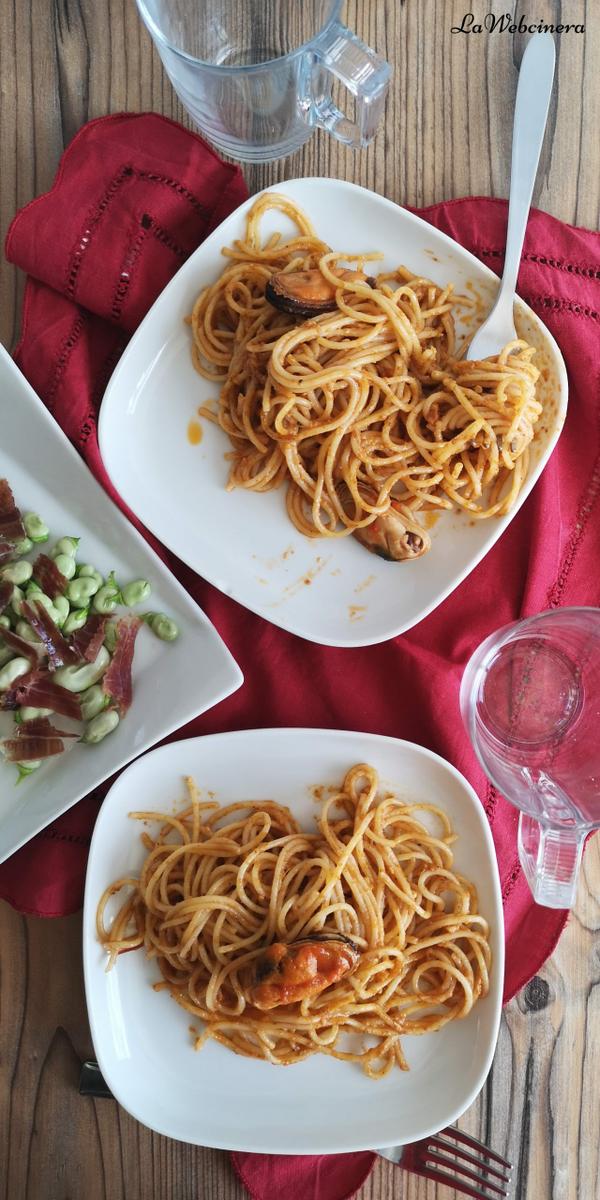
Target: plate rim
(229, 663)
(350, 640)
(277, 732)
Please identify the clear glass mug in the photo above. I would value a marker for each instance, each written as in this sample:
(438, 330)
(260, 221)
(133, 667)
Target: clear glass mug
(258, 76)
(530, 700)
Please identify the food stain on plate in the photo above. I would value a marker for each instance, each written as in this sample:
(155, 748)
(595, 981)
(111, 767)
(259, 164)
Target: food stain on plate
(271, 564)
(356, 612)
(303, 581)
(194, 432)
(364, 584)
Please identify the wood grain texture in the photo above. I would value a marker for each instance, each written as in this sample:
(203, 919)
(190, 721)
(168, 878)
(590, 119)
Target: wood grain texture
(447, 133)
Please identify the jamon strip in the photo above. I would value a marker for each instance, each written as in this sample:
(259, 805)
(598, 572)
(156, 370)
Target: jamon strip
(11, 525)
(50, 579)
(60, 652)
(38, 689)
(117, 679)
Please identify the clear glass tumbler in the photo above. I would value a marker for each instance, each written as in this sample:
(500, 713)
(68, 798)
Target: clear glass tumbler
(258, 76)
(530, 700)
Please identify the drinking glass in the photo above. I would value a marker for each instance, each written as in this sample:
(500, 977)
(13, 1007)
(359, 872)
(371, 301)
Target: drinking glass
(530, 700)
(257, 76)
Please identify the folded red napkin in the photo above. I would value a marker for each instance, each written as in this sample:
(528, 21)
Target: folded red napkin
(133, 197)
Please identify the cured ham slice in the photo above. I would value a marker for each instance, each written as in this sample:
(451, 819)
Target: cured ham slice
(50, 579)
(6, 551)
(117, 679)
(33, 740)
(20, 645)
(6, 591)
(11, 525)
(38, 689)
(87, 641)
(60, 652)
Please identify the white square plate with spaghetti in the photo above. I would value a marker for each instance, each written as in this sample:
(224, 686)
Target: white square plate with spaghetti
(329, 590)
(171, 683)
(214, 1097)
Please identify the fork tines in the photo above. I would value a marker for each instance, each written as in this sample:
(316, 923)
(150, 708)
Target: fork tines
(483, 1174)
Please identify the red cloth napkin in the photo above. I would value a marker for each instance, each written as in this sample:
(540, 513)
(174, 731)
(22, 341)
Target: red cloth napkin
(133, 197)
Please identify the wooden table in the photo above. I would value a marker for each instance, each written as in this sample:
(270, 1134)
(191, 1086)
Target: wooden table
(447, 133)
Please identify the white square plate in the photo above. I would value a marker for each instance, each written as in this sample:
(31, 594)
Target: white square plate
(172, 683)
(215, 1097)
(244, 542)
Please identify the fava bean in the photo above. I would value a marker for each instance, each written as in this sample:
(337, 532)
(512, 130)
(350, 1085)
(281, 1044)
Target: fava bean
(100, 726)
(17, 572)
(61, 611)
(32, 588)
(5, 653)
(80, 590)
(27, 768)
(66, 545)
(163, 627)
(27, 713)
(65, 564)
(76, 620)
(16, 600)
(24, 630)
(110, 636)
(105, 600)
(23, 547)
(12, 670)
(4, 623)
(93, 701)
(78, 679)
(87, 571)
(35, 528)
(136, 592)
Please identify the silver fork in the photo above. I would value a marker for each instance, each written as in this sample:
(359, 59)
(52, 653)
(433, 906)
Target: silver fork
(475, 1170)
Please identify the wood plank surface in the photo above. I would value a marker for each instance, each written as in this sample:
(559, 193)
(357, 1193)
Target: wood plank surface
(447, 133)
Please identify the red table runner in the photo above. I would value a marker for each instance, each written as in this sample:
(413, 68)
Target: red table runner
(133, 198)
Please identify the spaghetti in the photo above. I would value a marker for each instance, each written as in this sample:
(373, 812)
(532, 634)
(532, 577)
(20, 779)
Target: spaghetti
(221, 884)
(363, 409)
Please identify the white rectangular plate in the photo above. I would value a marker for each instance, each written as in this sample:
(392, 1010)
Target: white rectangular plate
(327, 590)
(172, 683)
(215, 1097)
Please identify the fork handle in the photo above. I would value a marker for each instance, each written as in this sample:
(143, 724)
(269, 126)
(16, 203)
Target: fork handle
(534, 89)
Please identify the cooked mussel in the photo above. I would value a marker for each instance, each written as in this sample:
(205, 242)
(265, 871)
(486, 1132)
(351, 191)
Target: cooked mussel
(287, 972)
(308, 293)
(394, 536)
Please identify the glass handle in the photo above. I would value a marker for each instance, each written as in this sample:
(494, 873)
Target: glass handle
(339, 54)
(550, 858)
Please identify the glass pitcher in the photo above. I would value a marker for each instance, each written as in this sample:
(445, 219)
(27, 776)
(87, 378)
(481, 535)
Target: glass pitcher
(530, 700)
(258, 76)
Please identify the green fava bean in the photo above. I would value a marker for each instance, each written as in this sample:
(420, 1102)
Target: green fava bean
(76, 620)
(12, 670)
(61, 611)
(27, 768)
(23, 547)
(81, 589)
(65, 564)
(136, 592)
(105, 600)
(93, 701)
(24, 630)
(87, 571)
(4, 623)
(32, 588)
(100, 726)
(35, 528)
(5, 653)
(17, 572)
(16, 600)
(27, 713)
(163, 627)
(66, 545)
(110, 636)
(79, 679)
